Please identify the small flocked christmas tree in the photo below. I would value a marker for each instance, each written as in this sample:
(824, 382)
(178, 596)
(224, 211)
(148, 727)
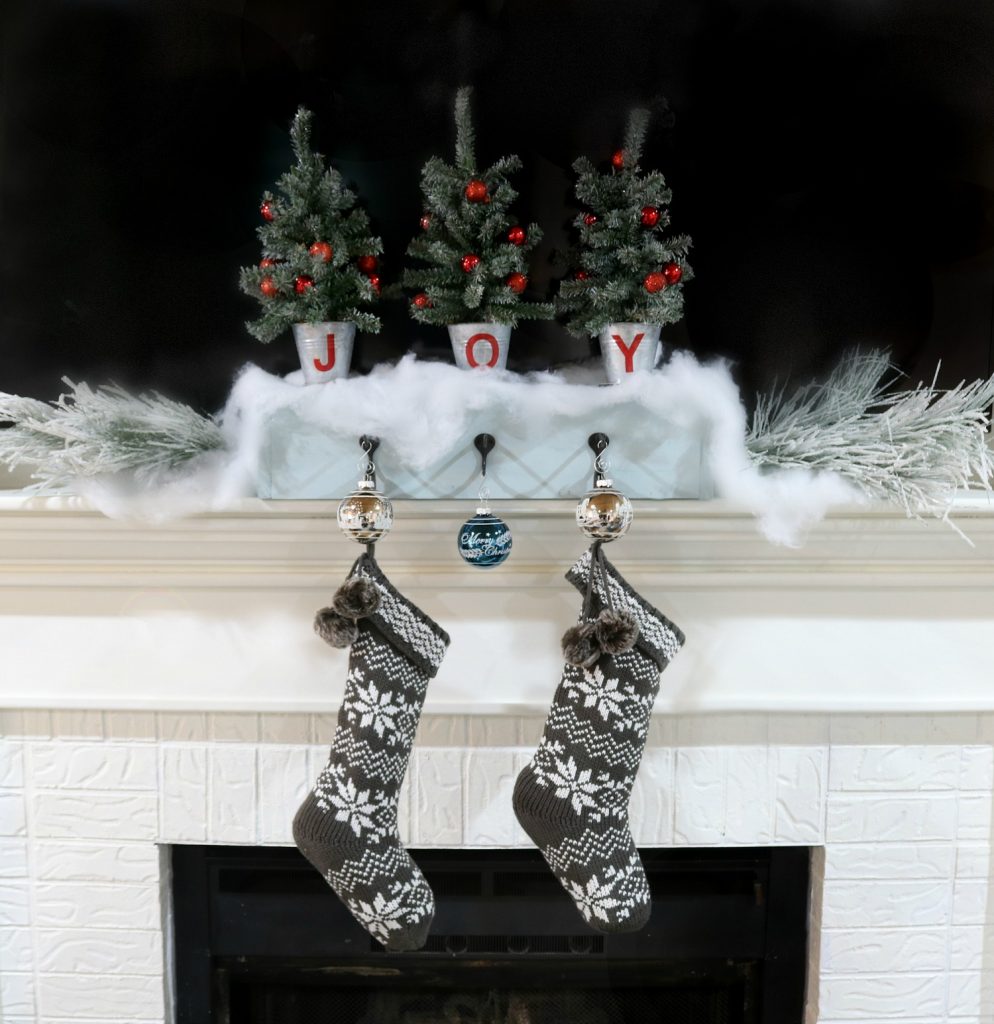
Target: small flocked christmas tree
(626, 270)
(477, 253)
(319, 260)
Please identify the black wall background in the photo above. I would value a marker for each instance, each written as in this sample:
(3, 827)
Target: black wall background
(833, 161)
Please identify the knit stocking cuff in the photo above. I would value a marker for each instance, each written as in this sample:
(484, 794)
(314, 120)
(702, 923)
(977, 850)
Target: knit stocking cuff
(401, 622)
(658, 638)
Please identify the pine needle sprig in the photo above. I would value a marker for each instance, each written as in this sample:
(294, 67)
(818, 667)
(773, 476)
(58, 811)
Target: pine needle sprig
(88, 433)
(914, 447)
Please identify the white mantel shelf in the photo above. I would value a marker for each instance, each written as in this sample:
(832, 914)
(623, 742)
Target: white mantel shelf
(874, 613)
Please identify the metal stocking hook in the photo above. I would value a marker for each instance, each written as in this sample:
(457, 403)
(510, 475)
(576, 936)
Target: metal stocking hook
(369, 444)
(484, 444)
(598, 445)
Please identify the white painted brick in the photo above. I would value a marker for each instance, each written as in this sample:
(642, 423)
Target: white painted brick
(181, 728)
(491, 731)
(966, 946)
(14, 904)
(11, 763)
(879, 904)
(442, 731)
(889, 860)
(437, 810)
(117, 997)
(231, 794)
(868, 818)
(87, 905)
(12, 813)
(285, 729)
(317, 759)
(799, 816)
(130, 725)
(16, 950)
(974, 817)
(970, 901)
(109, 766)
(872, 769)
(750, 795)
(13, 858)
(95, 951)
(651, 807)
(882, 950)
(77, 815)
(799, 730)
(97, 862)
(283, 784)
(404, 799)
(234, 728)
(489, 783)
(865, 996)
(700, 796)
(78, 725)
(17, 994)
(977, 768)
(973, 861)
(971, 992)
(183, 797)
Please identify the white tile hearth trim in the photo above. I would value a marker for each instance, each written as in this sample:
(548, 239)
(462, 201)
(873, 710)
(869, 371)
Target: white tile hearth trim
(899, 808)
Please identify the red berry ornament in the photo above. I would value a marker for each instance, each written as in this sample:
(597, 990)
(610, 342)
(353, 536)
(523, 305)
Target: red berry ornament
(590, 219)
(269, 288)
(673, 272)
(517, 283)
(302, 283)
(267, 211)
(322, 251)
(654, 282)
(421, 301)
(618, 159)
(476, 191)
(367, 264)
(516, 236)
(374, 280)
(425, 221)
(650, 216)
(469, 262)
(266, 263)
(581, 275)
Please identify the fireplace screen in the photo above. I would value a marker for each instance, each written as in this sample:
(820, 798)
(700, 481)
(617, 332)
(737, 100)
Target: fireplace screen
(261, 940)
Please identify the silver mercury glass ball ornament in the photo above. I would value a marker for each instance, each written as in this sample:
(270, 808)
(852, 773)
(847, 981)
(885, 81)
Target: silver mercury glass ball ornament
(604, 513)
(366, 514)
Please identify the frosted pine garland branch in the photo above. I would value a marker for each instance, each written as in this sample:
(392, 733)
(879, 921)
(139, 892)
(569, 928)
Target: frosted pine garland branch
(89, 433)
(911, 447)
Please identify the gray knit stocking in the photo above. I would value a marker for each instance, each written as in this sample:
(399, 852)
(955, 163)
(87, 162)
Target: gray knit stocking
(572, 798)
(347, 826)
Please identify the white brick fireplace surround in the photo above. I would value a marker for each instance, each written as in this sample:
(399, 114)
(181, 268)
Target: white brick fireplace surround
(162, 685)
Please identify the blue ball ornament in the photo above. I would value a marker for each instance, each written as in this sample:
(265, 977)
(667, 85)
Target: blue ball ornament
(484, 540)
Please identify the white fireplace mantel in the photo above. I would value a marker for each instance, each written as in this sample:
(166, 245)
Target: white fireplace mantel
(875, 613)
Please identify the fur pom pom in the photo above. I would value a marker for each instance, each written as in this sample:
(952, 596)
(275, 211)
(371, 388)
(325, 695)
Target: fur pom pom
(616, 631)
(580, 646)
(335, 629)
(355, 599)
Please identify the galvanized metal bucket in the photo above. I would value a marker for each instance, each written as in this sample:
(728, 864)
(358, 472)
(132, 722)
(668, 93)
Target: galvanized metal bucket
(628, 349)
(325, 349)
(480, 346)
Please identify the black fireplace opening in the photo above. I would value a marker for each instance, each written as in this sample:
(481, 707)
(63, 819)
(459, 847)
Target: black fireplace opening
(259, 938)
